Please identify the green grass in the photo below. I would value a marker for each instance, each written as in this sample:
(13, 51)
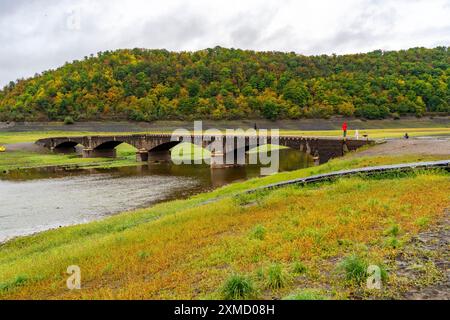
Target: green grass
(238, 287)
(188, 248)
(306, 294)
(299, 268)
(375, 133)
(193, 245)
(258, 232)
(276, 277)
(11, 160)
(354, 268)
(14, 283)
(17, 137)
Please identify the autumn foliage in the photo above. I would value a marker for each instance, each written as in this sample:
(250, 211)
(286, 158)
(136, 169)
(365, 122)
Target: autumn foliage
(219, 83)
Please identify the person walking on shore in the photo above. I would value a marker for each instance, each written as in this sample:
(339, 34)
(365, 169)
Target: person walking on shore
(344, 129)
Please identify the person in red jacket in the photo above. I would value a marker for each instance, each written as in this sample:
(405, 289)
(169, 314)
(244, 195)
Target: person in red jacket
(344, 129)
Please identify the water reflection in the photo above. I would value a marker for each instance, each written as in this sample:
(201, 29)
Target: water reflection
(38, 199)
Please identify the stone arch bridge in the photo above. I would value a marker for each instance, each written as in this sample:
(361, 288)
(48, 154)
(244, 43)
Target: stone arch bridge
(156, 147)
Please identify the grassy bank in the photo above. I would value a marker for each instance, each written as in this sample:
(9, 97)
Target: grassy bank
(20, 159)
(126, 156)
(292, 242)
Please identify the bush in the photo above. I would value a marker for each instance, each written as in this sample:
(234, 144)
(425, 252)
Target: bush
(69, 120)
(238, 287)
(395, 116)
(276, 277)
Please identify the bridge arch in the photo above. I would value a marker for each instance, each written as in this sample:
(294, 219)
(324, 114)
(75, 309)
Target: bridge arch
(65, 146)
(108, 145)
(165, 146)
(108, 149)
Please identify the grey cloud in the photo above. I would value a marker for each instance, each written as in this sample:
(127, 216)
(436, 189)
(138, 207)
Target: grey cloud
(35, 35)
(248, 28)
(173, 30)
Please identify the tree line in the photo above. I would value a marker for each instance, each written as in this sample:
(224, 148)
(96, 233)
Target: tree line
(219, 83)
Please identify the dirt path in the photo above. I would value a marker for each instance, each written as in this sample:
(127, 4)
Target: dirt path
(428, 248)
(26, 146)
(425, 146)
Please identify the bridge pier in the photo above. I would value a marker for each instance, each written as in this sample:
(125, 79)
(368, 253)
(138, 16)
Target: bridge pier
(159, 156)
(64, 150)
(218, 160)
(98, 153)
(142, 155)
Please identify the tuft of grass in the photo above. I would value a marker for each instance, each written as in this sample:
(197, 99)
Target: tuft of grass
(238, 287)
(393, 230)
(11, 284)
(143, 255)
(244, 199)
(258, 232)
(276, 277)
(257, 197)
(422, 222)
(306, 294)
(354, 268)
(299, 268)
(393, 242)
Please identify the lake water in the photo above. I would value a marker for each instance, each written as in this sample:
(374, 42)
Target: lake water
(39, 199)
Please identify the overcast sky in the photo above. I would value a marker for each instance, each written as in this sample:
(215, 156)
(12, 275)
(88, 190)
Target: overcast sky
(37, 35)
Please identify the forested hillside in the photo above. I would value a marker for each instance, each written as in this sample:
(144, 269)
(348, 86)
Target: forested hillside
(219, 83)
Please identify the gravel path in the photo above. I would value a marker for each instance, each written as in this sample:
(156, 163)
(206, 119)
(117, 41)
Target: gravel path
(425, 146)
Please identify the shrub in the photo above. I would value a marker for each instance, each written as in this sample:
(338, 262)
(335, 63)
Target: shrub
(68, 120)
(258, 232)
(238, 287)
(276, 277)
